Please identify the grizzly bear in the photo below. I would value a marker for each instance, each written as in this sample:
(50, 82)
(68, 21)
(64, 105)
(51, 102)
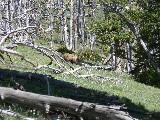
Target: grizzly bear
(73, 58)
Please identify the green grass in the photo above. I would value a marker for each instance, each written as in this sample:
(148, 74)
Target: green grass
(135, 95)
(124, 87)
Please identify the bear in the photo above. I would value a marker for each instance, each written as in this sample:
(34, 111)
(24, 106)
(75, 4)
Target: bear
(73, 58)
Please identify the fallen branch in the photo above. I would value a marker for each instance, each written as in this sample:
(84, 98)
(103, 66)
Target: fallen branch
(50, 103)
(88, 66)
(42, 50)
(14, 114)
(14, 31)
(49, 53)
(54, 70)
(99, 76)
(17, 54)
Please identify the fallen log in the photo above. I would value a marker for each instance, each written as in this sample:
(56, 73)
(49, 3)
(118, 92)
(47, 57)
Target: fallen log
(50, 103)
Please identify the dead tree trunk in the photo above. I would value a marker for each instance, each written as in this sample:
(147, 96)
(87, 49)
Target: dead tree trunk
(48, 103)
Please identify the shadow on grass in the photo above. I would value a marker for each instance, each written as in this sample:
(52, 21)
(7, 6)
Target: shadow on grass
(37, 83)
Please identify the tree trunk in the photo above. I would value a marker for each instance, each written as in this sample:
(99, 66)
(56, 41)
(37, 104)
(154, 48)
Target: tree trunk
(49, 103)
(140, 40)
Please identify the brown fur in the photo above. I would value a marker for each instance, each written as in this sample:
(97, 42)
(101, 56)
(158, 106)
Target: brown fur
(73, 58)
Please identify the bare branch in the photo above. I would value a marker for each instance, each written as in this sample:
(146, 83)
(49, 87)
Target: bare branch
(10, 45)
(46, 52)
(9, 51)
(40, 49)
(83, 67)
(14, 31)
(30, 10)
(16, 53)
(14, 114)
(57, 71)
(99, 76)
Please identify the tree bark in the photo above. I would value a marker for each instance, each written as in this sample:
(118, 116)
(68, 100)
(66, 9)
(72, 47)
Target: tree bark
(49, 103)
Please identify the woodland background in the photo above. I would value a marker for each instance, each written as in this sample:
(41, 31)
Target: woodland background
(114, 39)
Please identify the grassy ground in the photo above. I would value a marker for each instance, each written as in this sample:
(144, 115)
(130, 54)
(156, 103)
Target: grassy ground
(122, 89)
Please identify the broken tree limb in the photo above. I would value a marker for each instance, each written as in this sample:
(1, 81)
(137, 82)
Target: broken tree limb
(14, 31)
(44, 103)
(41, 50)
(54, 70)
(3, 49)
(99, 76)
(88, 66)
(14, 114)
(48, 52)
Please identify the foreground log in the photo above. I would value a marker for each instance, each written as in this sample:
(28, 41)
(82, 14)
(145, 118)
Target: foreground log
(50, 103)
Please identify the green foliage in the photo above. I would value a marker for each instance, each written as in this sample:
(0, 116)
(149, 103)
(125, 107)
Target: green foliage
(5, 117)
(87, 54)
(113, 32)
(149, 27)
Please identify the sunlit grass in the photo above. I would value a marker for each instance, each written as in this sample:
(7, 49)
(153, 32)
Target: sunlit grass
(126, 87)
(122, 85)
